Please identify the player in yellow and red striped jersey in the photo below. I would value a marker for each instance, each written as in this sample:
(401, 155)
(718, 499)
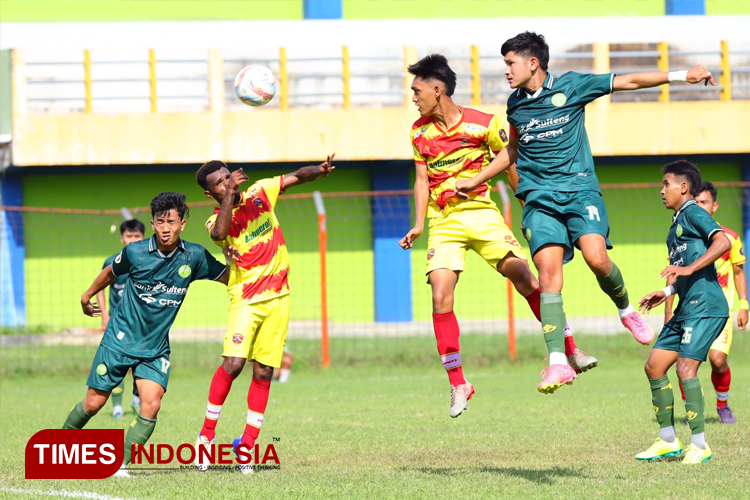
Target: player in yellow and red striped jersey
(452, 143)
(731, 273)
(245, 226)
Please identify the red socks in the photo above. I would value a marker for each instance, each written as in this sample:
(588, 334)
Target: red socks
(257, 400)
(721, 384)
(446, 333)
(570, 345)
(221, 383)
(534, 300)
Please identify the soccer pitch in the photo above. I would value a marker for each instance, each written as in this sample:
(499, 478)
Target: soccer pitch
(377, 426)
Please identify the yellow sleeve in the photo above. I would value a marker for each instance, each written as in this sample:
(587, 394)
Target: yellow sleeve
(736, 254)
(272, 187)
(418, 158)
(209, 226)
(497, 134)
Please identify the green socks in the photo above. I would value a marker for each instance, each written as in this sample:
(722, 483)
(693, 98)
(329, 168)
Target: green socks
(553, 321)
(694, 404)
(77, 418)
(614, 286)
(663, 399)
(117, 395)
(139, 432)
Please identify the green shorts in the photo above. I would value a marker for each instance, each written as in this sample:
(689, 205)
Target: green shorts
(109, 369)
(691, 337)
(558, 217)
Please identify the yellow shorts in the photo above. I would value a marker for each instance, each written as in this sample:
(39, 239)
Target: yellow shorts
(258, 331)
(482, 230)
(724, 341)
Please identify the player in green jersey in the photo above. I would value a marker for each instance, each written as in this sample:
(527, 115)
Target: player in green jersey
(160, 271)
(555, 178)
(130, 231)
(694, 243)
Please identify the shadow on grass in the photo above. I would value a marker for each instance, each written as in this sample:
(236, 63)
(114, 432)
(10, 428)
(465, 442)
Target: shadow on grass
(540, 476)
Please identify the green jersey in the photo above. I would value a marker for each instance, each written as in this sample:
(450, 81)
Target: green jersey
(553, 148)
(689, 238)
(117, 286)
(154, 292)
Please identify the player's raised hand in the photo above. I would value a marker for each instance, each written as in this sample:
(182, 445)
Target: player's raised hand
(91, 309)
(326, 168)
(700, 74)
(237, 178)
(651, 300)
(464, 187)
(742, 319)
(671, 273)
(408, 241)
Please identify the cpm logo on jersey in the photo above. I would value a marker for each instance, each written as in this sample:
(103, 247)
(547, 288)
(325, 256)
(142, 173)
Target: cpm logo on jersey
(74, 453)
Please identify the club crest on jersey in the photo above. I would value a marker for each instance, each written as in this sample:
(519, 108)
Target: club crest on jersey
(559, 99)
(679, 230)
(101, 369)
(237, 339)
(184, 271)
(431, 253)
(503, 135)
(118, 259)
(527, 234)
(258, 202)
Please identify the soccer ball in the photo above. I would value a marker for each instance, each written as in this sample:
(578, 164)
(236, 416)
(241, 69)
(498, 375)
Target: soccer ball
(255, 85)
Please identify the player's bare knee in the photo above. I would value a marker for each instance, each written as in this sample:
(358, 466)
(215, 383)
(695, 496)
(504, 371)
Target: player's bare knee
(685, 370)
(92, 405)
(233, 366)
(718, 361)
(442, 301)
(598, 261)
(262, 372)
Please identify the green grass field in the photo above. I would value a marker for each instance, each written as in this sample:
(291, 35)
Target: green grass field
(376, 425)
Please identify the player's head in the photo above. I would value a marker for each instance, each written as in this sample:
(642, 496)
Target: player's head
(168, 214)
(681, 181)
(706, 197)
(131, 230)
(213, 177)
(433, 80)
(524, 55)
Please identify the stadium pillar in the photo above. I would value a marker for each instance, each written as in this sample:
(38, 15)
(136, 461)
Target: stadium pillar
(391, 221)
(685, 7)
(322, 9)
(12, 255)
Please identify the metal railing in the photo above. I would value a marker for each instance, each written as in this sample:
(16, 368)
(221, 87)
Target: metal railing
(386, 83)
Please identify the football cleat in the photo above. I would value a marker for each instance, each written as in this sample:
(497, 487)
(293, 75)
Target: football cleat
(695, 455)
(661, 449)
(582, 362)
(726, 416)
(554, 377)
(244, 468)
(122, 472)
(202, 462)
(641, 330)
(460, 396)
(117, 412)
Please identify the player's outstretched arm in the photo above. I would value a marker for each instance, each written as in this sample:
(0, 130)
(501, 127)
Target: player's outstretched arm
(653, 299)
(102, 281)
(719, 246)
(648, 79)
(220, 231)
(669, 305)
(740, 281)
(501, 163)
(309, 174)
(101, 300)
(421, 198)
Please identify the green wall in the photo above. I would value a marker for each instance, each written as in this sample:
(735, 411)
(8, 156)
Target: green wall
(450, 9)
(727, 7)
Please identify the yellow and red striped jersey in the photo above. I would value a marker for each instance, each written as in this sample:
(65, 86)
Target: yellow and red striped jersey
(458, 153)
(735, 256)
(262, 270)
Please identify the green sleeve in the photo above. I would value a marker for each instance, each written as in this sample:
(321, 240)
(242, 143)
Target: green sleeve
(589, 87)
(704, 225)
(121, 264)
(207, 267)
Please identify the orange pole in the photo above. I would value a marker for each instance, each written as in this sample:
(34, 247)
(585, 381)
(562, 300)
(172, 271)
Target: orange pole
(508, 215)
(322, 250)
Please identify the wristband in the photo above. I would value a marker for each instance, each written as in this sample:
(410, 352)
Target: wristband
(668, 291)
(677, 76)
(744, 304)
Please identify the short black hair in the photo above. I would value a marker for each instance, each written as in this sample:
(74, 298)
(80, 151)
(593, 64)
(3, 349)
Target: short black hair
(164, 202)
(435, 66)
(708, 186)
(207, 169)
(528, 44)
(686, 170)
(132, 225)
